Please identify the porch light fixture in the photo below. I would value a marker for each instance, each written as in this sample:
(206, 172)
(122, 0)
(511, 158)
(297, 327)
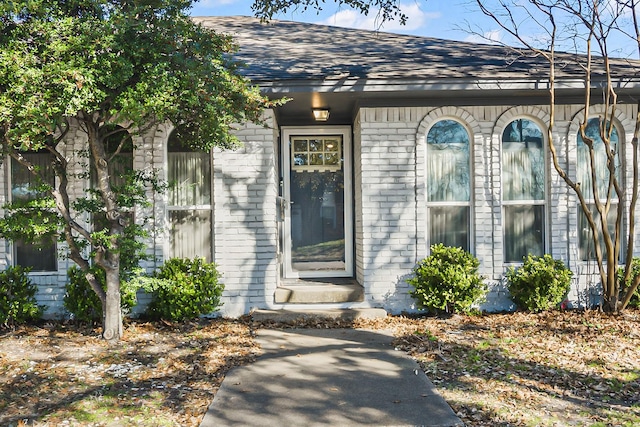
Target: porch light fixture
(320, 114)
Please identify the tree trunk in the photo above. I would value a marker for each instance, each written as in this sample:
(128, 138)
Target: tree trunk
(112, 323)
(610, 288)
(108, 257)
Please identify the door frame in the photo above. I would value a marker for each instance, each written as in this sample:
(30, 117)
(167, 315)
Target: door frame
(287, 132)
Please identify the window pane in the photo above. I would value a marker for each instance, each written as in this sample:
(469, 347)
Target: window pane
(583, 166)
(523, 232)
(448, 169)
(24, 183)
(37, 257)
(331, 145)
(190, 233)
(42, 256)
(523, 172)
(119, 167)
(315, 145)
(449, 225)
(317, 220)
(189, 179)
(300, 146)
(316, 154)
(189, 174)
(587, 249)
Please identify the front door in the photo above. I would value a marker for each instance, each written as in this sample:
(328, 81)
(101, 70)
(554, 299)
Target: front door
(317, 191)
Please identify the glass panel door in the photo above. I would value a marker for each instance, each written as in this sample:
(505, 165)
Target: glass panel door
(318, 221)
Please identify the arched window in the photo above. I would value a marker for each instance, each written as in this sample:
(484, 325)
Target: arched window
(594, 133)
(449, 184)
(189, 207)
(523, 190)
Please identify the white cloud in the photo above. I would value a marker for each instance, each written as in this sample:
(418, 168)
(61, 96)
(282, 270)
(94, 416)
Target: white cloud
(490, 37)
(352, 19)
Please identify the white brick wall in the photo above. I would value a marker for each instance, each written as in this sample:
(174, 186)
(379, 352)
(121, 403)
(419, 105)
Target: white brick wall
(246, 234)
(386, 214)
(245, 190)
(391, 219)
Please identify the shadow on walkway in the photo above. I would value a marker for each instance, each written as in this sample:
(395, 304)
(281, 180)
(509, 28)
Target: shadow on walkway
(344, 377)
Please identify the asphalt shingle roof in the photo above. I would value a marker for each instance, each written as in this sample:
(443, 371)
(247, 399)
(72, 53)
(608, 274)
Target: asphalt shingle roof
(285, 51)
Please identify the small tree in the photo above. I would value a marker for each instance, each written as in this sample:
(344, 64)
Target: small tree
(605, 202)
(113, 70)
(82, 302)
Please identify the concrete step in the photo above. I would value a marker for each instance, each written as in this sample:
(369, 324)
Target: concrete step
(348, 314)
(300, 291)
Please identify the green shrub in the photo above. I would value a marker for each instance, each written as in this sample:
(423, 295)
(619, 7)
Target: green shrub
(448, 280)
(17, 297)
(540, 283)
(635, 271)
(82, 302)
(185, 289)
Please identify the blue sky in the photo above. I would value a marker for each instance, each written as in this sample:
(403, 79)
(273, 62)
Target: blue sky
(442, 19)
(426, 18)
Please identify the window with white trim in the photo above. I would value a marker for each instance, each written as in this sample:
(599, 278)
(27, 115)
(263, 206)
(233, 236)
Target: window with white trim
(449, 184)
(189, 207)
(594, 133)
(523, 190)
(39, 256)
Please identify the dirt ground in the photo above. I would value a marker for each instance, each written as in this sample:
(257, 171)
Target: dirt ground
(555, 369)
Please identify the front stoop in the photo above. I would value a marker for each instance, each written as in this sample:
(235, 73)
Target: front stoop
(348, 314)
(302, 291)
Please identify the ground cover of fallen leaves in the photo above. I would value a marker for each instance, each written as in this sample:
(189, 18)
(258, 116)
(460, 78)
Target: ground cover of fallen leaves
(160, 374)
(518, 369)
(550, 369)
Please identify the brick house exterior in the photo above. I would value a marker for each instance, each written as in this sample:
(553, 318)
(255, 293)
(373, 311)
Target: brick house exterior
(384, 94)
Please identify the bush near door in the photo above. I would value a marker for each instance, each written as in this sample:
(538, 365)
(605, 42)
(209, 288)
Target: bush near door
(184, 289)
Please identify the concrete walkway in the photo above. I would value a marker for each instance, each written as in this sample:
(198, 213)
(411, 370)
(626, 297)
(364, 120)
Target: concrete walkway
(337, 377)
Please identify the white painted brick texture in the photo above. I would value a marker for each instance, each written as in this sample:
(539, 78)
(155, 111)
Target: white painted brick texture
(391, 220)
(391, 217)
(386, 203)
(245, 191)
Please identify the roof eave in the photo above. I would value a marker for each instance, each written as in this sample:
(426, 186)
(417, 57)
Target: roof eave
(353, 84)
